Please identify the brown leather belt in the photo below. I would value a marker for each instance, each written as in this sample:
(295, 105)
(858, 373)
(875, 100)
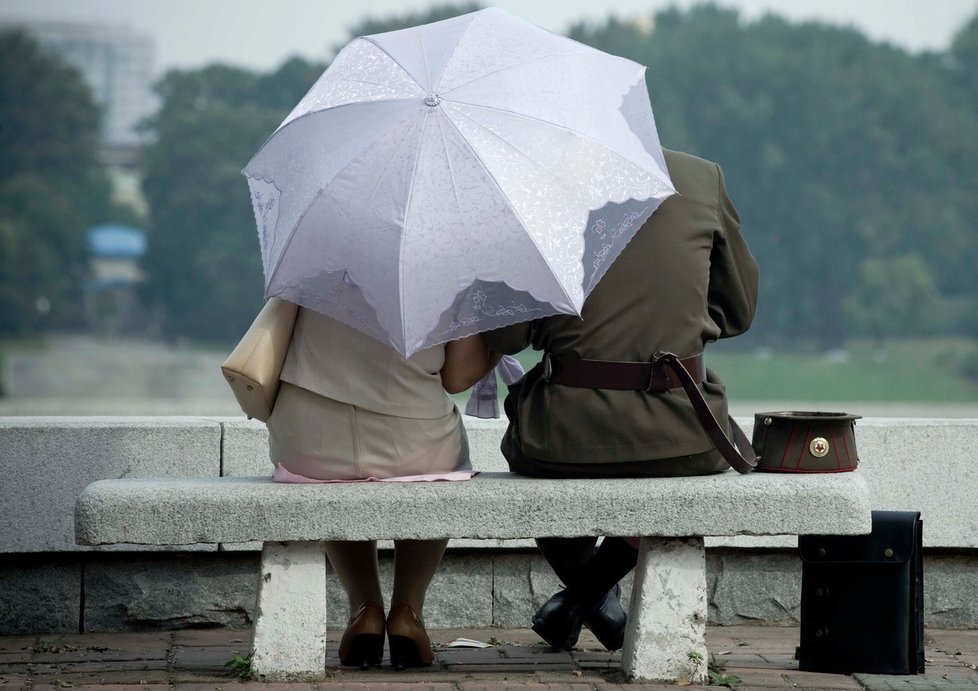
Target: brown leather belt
(652, 376)
(664, 372)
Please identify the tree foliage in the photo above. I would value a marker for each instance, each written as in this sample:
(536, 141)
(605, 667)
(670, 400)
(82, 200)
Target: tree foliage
(203, 259)
(52, 187)
(837, 151)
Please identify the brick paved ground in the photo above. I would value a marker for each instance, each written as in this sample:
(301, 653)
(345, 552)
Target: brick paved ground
(194, 660)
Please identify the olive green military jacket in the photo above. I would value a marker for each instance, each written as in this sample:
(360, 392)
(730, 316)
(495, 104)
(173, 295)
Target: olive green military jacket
(686, 279)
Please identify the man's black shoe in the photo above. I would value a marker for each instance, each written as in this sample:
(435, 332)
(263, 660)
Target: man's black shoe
(607, 620)
(559, 621)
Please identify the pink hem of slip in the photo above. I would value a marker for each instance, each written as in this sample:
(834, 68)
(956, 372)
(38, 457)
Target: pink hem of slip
(283, 475)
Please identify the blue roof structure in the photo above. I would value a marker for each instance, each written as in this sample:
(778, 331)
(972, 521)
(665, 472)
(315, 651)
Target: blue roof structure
(117, 241)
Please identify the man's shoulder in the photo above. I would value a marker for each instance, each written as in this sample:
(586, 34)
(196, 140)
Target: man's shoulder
(690, 172)
(683, 160)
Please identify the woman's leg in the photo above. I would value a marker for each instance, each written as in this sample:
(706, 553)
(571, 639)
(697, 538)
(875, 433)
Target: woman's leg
(415, 563)
(355, 564)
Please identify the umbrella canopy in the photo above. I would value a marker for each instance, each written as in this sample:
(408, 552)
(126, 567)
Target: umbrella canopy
(456, 177)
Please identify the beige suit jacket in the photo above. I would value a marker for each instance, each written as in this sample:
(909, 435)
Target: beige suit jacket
(340, 363)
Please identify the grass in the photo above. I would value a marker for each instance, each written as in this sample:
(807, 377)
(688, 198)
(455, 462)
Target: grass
(924, 371)
(907, 370)
(241, 667)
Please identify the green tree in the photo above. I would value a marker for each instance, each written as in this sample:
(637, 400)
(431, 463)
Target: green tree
(894, 296)
(203, 261)
(836, 150)
(963, 61)
(52, 187)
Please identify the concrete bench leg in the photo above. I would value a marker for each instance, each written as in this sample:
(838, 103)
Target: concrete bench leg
(666, 632)
(289, 638)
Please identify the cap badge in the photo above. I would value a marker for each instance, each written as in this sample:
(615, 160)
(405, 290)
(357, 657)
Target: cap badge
(819, 447)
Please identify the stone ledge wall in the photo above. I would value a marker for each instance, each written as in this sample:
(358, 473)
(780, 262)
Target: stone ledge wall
(137, 591)
(47, 583)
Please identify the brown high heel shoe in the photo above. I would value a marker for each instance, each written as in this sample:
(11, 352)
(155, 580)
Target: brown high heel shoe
(409, 642)
(362, 644)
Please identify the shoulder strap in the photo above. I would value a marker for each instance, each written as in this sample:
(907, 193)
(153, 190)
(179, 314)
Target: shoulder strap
(742, 459)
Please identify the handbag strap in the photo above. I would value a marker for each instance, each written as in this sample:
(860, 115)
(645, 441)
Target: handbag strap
(666, 371)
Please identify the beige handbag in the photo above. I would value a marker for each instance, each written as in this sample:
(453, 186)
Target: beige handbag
(254, 366)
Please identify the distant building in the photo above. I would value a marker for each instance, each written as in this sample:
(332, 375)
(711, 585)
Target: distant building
(117, 63)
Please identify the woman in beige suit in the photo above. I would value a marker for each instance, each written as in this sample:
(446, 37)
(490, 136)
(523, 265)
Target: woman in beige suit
(350, 408)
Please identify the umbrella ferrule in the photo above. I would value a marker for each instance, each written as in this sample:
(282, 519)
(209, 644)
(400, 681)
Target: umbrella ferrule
(432, 100)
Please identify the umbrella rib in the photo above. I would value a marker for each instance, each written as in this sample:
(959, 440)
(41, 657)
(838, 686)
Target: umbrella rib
(291, 122)
(315, 198)
(531, 160)
(407, 215)
(451, 168)
(513, 66)
(424, 59)
(509, 204)
(519, 151)
(583, 135)
(572, 130)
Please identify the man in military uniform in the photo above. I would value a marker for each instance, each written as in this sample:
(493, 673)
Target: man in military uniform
(686, 279)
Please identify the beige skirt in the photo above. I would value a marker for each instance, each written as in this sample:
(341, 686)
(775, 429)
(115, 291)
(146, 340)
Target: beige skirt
(322, 439)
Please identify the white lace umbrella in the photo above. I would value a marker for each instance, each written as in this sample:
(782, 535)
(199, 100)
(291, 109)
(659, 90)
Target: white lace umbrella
(456, 177)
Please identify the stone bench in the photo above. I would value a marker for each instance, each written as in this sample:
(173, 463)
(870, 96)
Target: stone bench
(667, 622)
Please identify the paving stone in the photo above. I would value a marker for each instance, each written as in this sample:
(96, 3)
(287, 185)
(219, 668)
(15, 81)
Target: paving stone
(221, 679)
(71, 652)
(94, 666)
(646, 687)
(502, 667)
(592, 665)
(479, 686)
(911, 683)
(760, 662)
(15, 644)
(380, 685)
(152, 686)
(202, 638)
(522, 662)
(111, 676)
(761, 678)
(738, 659)
(816, 680)
(463, 656)
(21, 657)
(19, 668)
(210, 661)
(244, 686)
(537, 653)
(108, 639)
